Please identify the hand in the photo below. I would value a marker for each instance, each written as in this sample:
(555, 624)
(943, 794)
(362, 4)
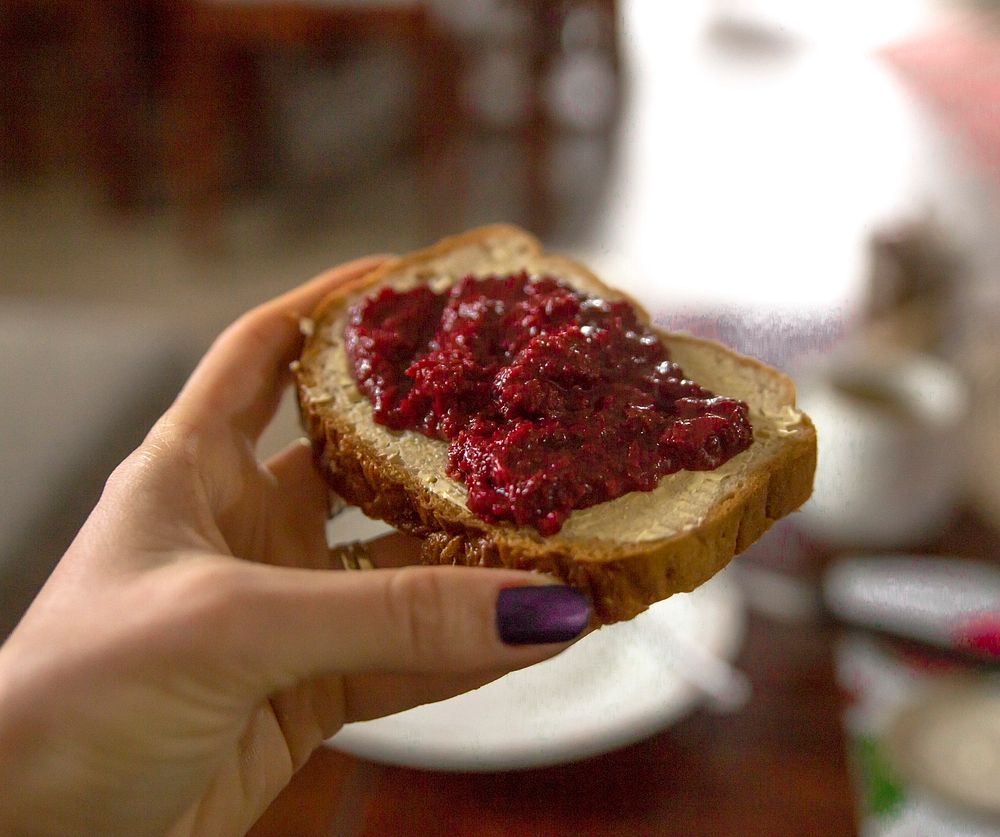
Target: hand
(194, 646)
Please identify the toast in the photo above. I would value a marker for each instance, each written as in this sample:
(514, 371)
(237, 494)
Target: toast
(623, 554)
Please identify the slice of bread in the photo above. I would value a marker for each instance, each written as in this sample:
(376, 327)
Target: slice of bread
(624, 554)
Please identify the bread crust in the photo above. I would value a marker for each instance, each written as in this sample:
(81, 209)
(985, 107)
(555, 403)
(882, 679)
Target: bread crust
(621, 579)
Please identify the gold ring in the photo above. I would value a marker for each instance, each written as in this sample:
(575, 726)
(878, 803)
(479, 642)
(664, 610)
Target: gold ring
(353, 556)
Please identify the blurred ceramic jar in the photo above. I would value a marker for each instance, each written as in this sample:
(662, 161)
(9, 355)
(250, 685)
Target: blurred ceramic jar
(580, 87)
(891, 448)
(495, 38)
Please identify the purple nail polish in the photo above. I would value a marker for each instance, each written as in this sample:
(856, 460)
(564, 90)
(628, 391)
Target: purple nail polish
(546, 613)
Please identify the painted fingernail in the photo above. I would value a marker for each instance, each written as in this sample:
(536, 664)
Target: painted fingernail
(544, 613)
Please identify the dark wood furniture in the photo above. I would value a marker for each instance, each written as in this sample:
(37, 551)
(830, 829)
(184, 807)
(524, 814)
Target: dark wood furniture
(213, 94)
(74, 88)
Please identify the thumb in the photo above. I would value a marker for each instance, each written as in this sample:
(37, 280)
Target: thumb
(294, 624)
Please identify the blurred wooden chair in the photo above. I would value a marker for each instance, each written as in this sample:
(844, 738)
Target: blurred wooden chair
(86, 103)
(213, 90)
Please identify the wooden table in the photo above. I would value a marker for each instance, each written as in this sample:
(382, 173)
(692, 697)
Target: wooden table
(777, 767)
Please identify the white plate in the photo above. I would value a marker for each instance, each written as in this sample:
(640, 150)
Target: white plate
(614, 687)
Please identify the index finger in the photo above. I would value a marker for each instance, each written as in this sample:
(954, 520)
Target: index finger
(240, 380)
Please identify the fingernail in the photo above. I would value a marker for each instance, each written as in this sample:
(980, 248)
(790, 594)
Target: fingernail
(544, 613)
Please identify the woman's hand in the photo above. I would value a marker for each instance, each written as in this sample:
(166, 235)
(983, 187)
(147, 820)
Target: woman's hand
(194, 645)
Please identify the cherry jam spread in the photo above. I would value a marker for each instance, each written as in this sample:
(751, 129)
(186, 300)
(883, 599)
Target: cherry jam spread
(550, 400)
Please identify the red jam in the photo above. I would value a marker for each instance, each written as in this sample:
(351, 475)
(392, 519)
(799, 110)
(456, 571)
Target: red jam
(550, 400)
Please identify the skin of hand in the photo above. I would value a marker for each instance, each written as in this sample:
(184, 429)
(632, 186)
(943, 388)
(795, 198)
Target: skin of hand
(194, 645)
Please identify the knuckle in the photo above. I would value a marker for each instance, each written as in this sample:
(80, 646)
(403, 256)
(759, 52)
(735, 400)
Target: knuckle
(193, 614)
(171, 451)
(252, 328)
(207, 597)
(125, 474)
(418, 608)
(133, 473)
(182, 441)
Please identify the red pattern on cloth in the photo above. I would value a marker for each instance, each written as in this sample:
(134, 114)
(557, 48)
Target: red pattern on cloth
(955, 69)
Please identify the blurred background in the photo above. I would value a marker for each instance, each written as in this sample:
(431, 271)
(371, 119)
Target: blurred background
(811, 183)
